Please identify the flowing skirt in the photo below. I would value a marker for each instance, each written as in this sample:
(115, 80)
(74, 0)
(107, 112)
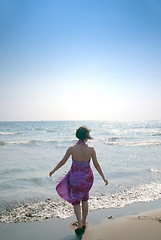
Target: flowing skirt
(75, 186)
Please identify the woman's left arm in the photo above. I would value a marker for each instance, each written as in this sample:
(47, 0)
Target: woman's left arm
(62, 162)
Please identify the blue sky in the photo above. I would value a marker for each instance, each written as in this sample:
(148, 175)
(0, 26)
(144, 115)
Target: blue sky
(80, 60)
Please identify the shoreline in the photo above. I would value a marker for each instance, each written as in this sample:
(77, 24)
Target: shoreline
(99, 226)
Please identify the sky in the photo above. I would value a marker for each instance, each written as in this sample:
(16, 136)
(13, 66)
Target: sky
(80, 60)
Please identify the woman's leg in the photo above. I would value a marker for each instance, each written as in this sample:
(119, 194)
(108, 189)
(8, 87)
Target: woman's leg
(84, 212)
(77, 211)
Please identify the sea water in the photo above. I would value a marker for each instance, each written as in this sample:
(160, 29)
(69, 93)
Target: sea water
(128, 152)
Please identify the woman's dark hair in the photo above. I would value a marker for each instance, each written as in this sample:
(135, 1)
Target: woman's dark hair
(82, 133)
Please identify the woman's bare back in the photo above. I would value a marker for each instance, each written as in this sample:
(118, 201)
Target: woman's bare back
(81, 152)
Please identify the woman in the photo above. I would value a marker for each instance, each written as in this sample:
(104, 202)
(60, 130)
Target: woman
(75, 186)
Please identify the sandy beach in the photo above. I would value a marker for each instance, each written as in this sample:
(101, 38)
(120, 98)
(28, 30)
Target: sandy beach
(141, 221)
(143, 226)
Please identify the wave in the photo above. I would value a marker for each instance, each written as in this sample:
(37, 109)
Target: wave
(143, 143)
(155, 170)
(156, 134)
(49, 208)
(132, 144)
(13, 171)
(36, 181)
(9, 171)
(37, 142)
(9, 133)
(2, 143)
(114, 139)
(43, 130)
(111, 141)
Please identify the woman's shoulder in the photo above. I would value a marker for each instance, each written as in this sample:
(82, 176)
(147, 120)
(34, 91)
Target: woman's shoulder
(91, 148)
(70, 149)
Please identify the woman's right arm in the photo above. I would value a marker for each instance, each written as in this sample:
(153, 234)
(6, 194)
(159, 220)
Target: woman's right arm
(97, 165)
(62, 162)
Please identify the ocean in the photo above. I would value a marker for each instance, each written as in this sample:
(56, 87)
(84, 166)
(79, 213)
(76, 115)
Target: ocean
(128, 152)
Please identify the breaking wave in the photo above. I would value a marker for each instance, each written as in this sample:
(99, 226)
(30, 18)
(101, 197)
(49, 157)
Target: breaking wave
(9, 133)
(120, 142)
(37, 142)
(113, 141)
(49, 208)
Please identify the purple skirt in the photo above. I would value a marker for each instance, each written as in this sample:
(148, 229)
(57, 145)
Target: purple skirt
(75, 186)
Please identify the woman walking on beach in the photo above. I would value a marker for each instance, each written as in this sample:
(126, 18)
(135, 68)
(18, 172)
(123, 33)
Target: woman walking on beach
(75, 186)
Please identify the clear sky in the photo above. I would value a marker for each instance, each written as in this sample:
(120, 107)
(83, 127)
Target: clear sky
(80, 60)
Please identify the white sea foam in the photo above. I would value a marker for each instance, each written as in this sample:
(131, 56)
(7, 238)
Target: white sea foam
(58, 208)
(155, 170)
(9, 133)
(38, 141)
(117, 141)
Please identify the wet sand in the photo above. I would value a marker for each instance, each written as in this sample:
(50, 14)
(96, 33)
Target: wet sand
(134, 221)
